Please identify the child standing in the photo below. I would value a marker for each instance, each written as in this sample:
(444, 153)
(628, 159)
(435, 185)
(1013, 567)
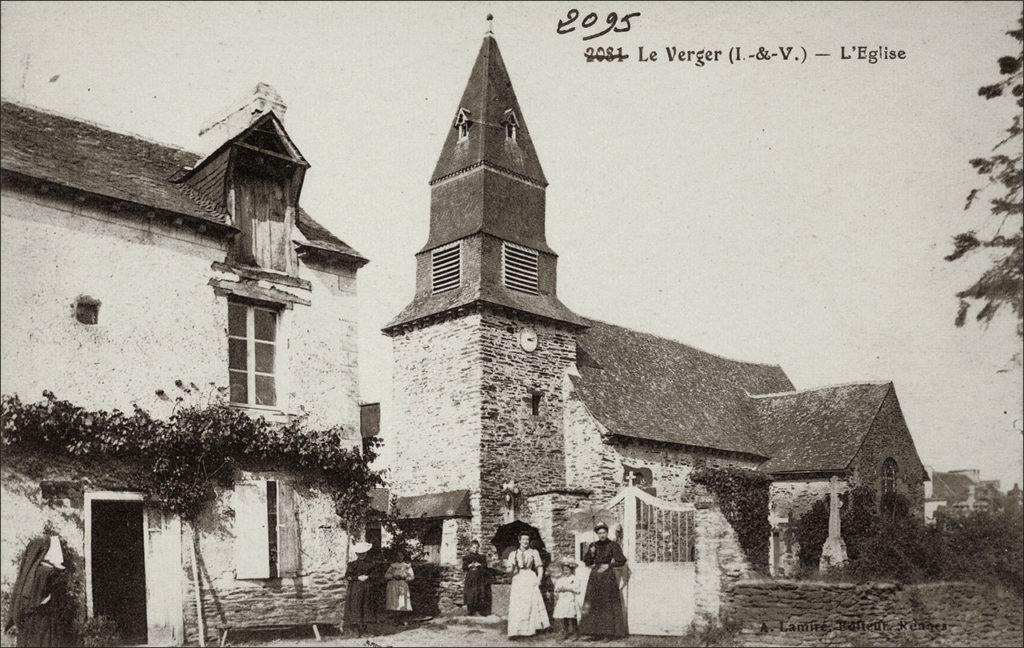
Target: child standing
(398, 575)
(566, 594)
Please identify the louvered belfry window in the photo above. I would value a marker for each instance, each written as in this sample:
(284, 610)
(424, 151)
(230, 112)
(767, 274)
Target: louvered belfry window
(445, 268)
(519, 268)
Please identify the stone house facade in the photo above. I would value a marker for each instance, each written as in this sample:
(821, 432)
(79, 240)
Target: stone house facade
(132, 265)
(501, 392)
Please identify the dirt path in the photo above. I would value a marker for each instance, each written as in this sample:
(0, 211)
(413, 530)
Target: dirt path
(457, 631)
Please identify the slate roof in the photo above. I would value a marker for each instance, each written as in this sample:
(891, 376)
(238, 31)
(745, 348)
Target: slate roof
(87, 157)
(648, 387)
(817, 429)
(542, 305)
(949, 486)
(435, 505)
(487, 96)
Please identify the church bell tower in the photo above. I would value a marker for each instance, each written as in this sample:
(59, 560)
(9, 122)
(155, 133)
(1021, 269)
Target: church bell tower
(481, 352)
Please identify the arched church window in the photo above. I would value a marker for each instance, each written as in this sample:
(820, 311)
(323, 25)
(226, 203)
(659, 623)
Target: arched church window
(889, 476)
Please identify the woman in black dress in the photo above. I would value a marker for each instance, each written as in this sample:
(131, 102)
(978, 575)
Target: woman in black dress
(358, 599)
(477, 586)
(602, 613)
(39, 605)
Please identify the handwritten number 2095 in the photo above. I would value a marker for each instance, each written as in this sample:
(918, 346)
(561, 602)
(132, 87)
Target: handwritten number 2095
(614, 22)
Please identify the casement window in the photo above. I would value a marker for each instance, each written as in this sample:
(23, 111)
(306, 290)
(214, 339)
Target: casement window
(519, 268)
(889, 476)
(446, 268)
(266, 530)
(252, 354)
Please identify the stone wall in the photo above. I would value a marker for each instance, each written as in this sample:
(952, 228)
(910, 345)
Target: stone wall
(152, 281)
(515, 444)
(890, 437)
(317, 594)
(436, 408)
(876, 614)
(437, 589)
(791, 499)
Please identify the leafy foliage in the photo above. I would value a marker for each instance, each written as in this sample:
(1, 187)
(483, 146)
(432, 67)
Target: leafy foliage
(197, 447)
(889, 544)
(858, 519)
(743, 499)
(1003, 283)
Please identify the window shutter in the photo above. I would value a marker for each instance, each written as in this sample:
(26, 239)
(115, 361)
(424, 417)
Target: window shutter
(445, 268)
(252, 542)
(519, 268)
(287, 531)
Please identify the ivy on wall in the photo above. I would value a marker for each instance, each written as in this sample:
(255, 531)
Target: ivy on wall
(199, 446)
(743, 499)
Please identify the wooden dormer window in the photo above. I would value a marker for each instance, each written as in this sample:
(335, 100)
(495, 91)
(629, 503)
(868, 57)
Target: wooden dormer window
(462, 123)
(265, 178)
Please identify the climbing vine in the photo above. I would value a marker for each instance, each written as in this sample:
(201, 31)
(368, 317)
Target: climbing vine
(199, 446)
(743, 499)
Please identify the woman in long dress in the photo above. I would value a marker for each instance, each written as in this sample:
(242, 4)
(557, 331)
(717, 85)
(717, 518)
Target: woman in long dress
(602, 613)
(398, 576)
(526, 611)
(358, 608)
(39, 605)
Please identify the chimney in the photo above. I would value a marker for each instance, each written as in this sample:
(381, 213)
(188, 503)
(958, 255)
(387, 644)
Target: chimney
(928, 489)
(239, 115)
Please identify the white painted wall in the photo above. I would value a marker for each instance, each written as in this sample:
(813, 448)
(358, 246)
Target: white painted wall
(159, 319)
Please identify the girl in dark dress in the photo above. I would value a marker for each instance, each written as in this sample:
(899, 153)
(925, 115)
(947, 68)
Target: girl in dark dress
(358, 601)
(38, 601)
(602, 613)
(477, 590)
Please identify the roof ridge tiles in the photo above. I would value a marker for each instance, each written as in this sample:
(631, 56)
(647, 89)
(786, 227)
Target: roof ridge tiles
(797, 392)
(685, 344)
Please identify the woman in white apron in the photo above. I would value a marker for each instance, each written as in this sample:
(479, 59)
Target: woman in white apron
(526, 611)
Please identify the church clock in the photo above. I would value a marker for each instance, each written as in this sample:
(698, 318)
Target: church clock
(528, 339)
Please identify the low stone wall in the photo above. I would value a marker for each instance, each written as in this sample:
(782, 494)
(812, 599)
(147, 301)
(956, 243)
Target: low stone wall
(437, 589)
(778, 613)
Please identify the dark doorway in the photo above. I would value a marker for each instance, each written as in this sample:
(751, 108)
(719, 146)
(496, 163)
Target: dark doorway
(119, 567)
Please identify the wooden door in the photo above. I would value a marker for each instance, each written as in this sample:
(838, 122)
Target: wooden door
(164, 609)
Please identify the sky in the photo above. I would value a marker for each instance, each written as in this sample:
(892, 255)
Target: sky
(766, 211)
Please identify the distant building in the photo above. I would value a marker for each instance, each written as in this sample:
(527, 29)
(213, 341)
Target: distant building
(961, 491)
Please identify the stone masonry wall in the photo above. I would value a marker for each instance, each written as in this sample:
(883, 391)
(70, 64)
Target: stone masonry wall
(774, 613)
(794, 498)
(515, 444)
(316, 595)
(436, 408)
(890, 437)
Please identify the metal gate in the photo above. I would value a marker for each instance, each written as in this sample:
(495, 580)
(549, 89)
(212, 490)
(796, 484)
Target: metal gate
(659, 583)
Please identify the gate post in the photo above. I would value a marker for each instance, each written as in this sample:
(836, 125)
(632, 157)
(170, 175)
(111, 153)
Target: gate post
(629, 526)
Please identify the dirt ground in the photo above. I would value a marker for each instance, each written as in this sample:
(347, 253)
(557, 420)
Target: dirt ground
(453, 631)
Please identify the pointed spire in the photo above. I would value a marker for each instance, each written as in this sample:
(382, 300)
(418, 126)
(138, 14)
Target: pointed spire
(489, 104)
